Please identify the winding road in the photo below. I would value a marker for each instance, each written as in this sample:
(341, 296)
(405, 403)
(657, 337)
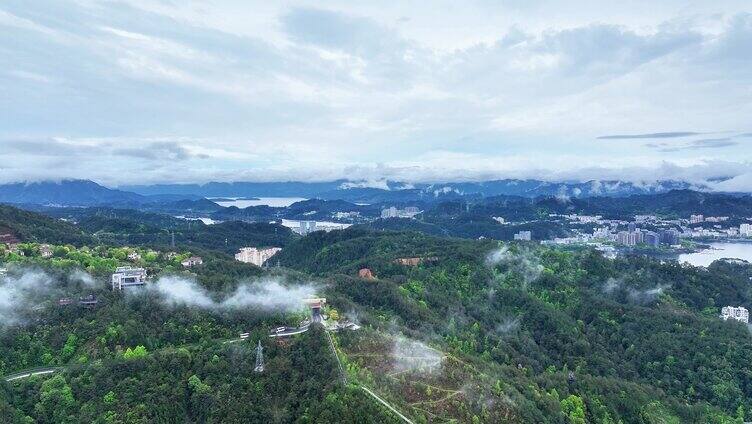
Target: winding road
(31, 372)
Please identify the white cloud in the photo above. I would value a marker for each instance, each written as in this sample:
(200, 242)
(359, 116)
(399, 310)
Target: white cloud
(268, 294)
(280, 91)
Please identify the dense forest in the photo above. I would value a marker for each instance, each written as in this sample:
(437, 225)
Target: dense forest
(450, 329)
(122, 227)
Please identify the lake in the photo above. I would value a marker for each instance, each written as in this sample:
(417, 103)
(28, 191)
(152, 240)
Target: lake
(277, 202)
(718, 251)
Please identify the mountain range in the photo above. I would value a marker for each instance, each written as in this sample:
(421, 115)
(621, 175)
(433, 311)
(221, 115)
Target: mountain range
(89, 193)
(82, 193)
(359, 190)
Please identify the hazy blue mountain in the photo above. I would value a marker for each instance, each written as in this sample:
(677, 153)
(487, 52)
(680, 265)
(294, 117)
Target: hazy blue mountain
(190, 197)
(239, 189)
(65, 193)
(535, 188)
(88, 193)
(392, 191)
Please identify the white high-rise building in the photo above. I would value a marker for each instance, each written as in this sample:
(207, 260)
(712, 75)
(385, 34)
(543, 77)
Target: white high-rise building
(256, 256)
(739, 313)
(307, 227)
(696, 219)
(524, 235)
(627, 238)
(745, 230)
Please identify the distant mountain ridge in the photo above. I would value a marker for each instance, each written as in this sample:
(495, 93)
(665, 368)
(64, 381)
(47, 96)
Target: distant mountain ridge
(398, 191)
(81, 193)
(192, 196)
(65, 193)
(239, 189)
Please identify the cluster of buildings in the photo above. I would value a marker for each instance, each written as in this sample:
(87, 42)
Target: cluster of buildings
(307, 227)
(736, 313)
(697, 219)
(718, 231)
(610, 231)
(346, 215)
(635, 236)
(658, 232)
(393, 212)
(614, 231)
(255, 255)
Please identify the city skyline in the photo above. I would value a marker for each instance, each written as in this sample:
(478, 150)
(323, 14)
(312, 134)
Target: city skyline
(147, 92)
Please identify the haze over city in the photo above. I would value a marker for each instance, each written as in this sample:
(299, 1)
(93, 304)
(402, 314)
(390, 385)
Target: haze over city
(145, 92)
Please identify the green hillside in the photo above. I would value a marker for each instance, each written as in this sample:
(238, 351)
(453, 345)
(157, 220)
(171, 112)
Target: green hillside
(458, 331)
(29, 226)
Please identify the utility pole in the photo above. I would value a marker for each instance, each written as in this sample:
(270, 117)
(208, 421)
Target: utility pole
(259, 358)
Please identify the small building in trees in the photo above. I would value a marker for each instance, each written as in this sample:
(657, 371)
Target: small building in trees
(736, 313)
(256, 256)
(126, 277)
(45, 251)
(415, 261)
(88, 301)
(192, 261)
(366, 274)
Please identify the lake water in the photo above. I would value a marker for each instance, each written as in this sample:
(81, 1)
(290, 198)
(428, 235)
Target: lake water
(277, 202)
(718, 251)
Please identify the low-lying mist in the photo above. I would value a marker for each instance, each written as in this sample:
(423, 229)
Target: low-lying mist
(20, 292)
(522, 262)
(507, 326)
(24, 289)
(413, 355)
(617, 287)
(267, 293)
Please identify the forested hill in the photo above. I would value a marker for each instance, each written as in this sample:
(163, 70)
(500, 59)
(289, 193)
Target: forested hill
(529, 315)
(21, 225)
(396, 191)
(675, 203)
(474, 218)
(448, 329)
(131, 227)
(679, 203)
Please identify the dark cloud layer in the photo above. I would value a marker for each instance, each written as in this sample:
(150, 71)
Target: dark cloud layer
(675, 134)
(705, 143)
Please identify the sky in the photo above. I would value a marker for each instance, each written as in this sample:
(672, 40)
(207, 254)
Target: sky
(139, 91)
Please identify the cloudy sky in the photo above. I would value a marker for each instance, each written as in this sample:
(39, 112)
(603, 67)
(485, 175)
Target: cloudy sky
(140, 91)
